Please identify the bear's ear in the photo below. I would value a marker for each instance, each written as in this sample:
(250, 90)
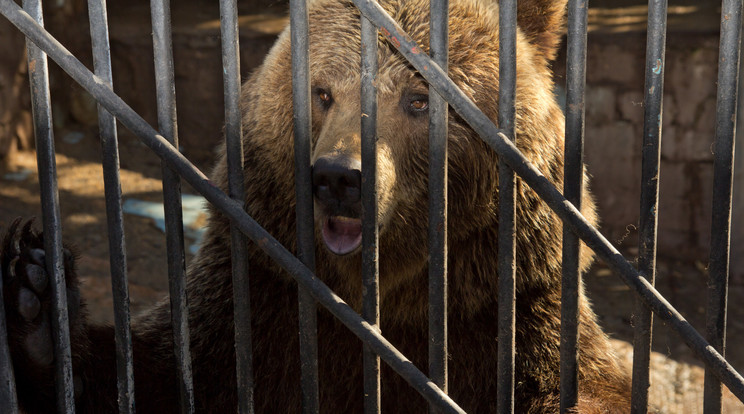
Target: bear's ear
(543, 22)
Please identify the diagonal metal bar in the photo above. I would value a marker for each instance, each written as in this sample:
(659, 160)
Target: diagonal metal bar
(552, 196)
(723, 180)
(232, 209)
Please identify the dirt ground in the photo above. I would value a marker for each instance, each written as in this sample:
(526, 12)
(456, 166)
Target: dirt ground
(84, 226)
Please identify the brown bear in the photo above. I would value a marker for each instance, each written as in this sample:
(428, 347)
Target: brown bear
(402, 160)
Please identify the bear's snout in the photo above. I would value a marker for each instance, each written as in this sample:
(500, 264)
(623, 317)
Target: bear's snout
(337, 185)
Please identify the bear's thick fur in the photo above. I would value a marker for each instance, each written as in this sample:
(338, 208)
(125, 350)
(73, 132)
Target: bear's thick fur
(402, 185)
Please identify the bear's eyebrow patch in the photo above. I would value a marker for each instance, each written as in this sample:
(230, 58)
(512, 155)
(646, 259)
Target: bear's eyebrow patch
(418, 88)
(417, 85)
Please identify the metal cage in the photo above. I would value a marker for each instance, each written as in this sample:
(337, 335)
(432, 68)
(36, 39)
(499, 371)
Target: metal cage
(164, 142)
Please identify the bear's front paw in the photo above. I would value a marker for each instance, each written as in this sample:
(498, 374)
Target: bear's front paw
(27, 295)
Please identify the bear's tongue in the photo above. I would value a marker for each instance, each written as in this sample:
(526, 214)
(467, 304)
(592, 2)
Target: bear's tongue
(342, 235)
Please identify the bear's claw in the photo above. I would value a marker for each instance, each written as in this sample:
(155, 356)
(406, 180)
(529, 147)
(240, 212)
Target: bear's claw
(11, 268)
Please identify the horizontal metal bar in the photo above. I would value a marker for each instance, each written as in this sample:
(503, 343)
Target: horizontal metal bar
(723, 180)
(232, 209)
(547, 191)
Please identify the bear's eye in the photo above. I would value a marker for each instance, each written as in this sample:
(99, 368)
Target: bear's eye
(324, 97)
(419, 104)
(416, 104)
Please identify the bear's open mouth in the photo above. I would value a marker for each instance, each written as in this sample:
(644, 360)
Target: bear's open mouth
(342, 235)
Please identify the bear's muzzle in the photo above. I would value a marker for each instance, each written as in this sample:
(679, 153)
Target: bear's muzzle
(337, 185)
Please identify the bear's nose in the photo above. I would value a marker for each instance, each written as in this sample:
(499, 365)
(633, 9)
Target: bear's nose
(337, 180)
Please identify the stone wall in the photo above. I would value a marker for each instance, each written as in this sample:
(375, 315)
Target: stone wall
(614, 132)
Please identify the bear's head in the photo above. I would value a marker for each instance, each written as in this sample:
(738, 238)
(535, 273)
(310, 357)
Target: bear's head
(403, 123)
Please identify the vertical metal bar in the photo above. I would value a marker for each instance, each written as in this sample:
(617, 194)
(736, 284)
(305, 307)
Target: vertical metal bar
(370, 233)
(112, 188)
(166, 98)
(507, 209)
(8, 398)
(572, 189)
(233, 138)
(304, 192)
(654, 92)
(438, 131)
(41, 109)
(723, 167)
